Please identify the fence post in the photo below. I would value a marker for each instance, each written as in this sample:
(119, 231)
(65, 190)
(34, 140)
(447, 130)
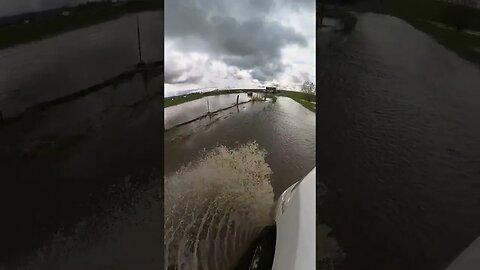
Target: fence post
(237, 99)
(208, 106)
(139, 42)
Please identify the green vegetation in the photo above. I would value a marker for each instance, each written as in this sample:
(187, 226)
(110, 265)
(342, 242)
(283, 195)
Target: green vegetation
(85, 15)
(425, 15)
(455, 15)
(306, 100)
(463, 44)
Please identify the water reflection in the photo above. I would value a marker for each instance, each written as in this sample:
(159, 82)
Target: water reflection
(221, 187)
(60, 164)
(55, 67)
(285, 129)
(187, 111)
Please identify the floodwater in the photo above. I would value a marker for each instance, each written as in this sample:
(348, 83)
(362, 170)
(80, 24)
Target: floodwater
(223, 175)
(400, 150)
(81, 180)
(175, 115)
(84, 181)
(54, 67)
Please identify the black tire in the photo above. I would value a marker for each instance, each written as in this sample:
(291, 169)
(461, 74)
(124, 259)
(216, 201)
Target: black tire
(260, 254)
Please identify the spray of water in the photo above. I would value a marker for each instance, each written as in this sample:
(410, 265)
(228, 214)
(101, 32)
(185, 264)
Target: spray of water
(215, 207)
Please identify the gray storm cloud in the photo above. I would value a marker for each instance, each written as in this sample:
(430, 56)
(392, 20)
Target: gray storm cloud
(238, 33)
(178, 76)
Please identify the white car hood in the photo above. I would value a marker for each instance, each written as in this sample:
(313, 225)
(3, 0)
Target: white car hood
(295, 244)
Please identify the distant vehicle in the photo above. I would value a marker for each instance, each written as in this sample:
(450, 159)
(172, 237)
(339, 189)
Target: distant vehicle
(291, 243)
(270, 89)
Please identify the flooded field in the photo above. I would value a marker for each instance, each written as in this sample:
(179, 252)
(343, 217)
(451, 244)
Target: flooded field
(224, 173)
(54, 67)
(81, 178)
(180, 114)
(78, 169)
(401, 147)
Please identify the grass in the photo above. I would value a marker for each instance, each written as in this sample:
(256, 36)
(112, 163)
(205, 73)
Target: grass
(303, 98)
(43, 26)
(419, 13)
(463, 44)
(172, 101)
(310, 106)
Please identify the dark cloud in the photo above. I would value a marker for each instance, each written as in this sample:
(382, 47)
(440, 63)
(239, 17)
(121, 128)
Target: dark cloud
(263, 5)
(300, 78)
(242, 36)
(190, 79)
(259, 75)
(172, 76)
(296, 79)
(305, 76)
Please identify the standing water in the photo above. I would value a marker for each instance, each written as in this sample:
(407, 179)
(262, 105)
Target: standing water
(71, 170)
(401, 151)
(223, 175)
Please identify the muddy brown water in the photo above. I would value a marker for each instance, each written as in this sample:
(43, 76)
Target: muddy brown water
(175, 115)
(285, 129)
(224, 173)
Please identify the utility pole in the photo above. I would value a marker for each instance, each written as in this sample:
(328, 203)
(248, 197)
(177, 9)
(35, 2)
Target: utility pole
(139, 42)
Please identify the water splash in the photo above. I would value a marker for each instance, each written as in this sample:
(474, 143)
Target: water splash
(216, 206)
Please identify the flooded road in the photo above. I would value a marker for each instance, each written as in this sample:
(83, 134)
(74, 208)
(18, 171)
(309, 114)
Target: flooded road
(54, 67)
(81, 178)
(401, 146)
(285, 129)
(228, 170)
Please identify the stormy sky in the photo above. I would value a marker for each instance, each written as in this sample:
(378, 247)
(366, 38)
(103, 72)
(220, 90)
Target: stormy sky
(15, 7)
(231, 44)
